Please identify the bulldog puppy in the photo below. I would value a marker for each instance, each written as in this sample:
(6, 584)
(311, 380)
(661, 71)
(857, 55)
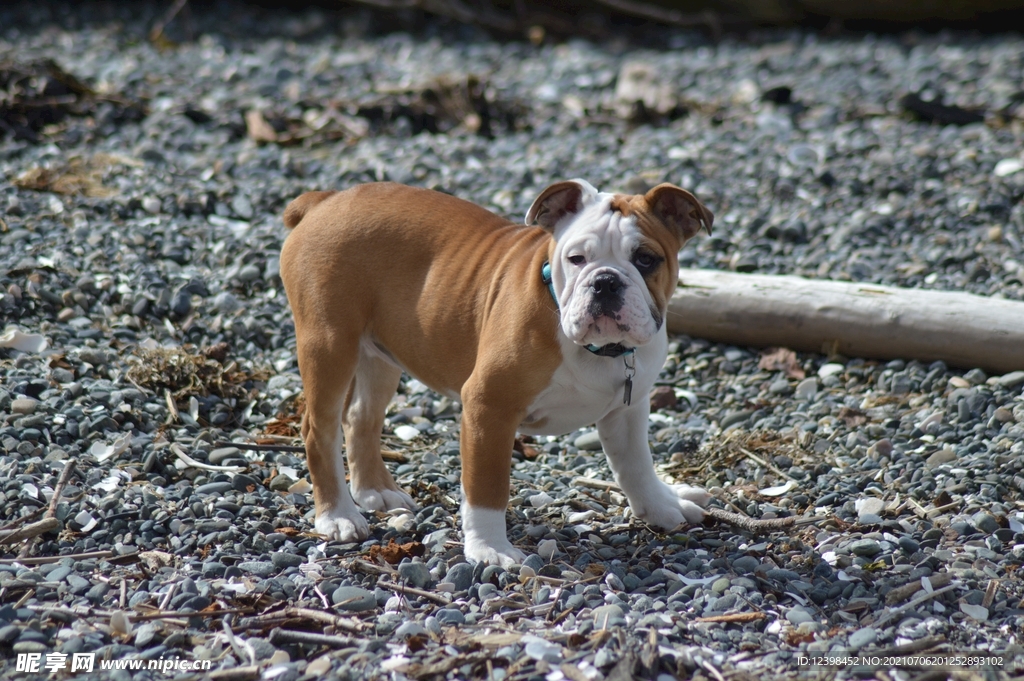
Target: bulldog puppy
(540, 328)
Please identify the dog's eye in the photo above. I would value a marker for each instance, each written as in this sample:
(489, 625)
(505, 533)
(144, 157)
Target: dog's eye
(578, 260)
(645, 262)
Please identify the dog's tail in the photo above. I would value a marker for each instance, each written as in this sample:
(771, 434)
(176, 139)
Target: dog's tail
(298, 208)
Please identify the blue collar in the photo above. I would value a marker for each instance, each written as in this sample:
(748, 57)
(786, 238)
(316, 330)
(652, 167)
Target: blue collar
(610, 350)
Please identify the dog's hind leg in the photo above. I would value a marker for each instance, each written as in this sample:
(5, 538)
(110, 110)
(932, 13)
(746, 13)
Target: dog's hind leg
(372, 485)
(327, 362)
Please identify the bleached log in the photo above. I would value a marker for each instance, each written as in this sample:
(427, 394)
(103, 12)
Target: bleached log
(852, 319)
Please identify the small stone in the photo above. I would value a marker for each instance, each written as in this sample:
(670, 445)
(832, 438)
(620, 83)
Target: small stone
(226, 303)
(416, 574)
(461, 575)
(539, 649)
(321, 665)
(780, 387)
(909, 546)
(985, 522)
(736, 418)
(220, 455)
(406, 433)
(608, 616)
(9, 634)
(260, 568)
(62, 376)
(869, 506)
(263, 649)
(663, 397)
(944, 455)
(745, 565)
(1003, 415)
(281, 483)
(807, 388)
(588, 442)
(450, 616)
(24, 406)
(1011, 380)
(181, 303)
(975, 612)
(242, 207)
(244, 483)
(976, 377)
(547, 548)
(151, 204)
(862, 637)
(720, 585)
(353, 598)
(1007, 167)
(217, 488)
(798, 616)
(865, 547)
(97, 592)
(145, 635)
(830, 369)
(541, 499)
(881, 448)
(283, 559)
(408, 630)
(250, 272)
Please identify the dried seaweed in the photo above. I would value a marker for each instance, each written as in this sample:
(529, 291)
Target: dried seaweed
(37, 94)
(184, 373)
(76, 176)
(467, 104)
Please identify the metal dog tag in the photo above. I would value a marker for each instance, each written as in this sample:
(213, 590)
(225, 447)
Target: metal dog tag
(630, 361)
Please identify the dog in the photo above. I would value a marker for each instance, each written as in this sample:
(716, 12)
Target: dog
(540, 328)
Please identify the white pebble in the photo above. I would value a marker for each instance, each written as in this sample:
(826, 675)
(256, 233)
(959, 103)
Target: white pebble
(1008, 166)
(406, 433)
(541, 499)
(830, 369)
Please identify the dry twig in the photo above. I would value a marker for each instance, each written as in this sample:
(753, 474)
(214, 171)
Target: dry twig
(739, 617)
(412, 591)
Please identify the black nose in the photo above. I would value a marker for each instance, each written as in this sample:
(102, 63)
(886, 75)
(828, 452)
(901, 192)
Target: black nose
(606, 285)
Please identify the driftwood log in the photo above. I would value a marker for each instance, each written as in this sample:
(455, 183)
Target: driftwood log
(852, 319)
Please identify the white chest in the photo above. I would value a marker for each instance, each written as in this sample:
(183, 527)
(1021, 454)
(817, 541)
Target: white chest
(586, 387)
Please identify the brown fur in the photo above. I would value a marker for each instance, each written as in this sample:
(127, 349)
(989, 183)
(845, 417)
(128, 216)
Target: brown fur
(669, 217)
(432, 279)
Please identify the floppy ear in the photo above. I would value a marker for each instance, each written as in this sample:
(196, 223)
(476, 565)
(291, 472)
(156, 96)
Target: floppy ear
(559, 200)
(679, 210)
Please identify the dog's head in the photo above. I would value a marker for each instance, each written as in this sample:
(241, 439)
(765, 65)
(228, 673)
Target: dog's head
(615, 261)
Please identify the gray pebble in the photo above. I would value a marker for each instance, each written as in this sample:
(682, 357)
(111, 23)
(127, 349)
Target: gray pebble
(863, 637)
(416, 574)
(865, 547)
(449, 617)
(608, 617)
(461, 575)
(353, 599)
(588, 442)
(260, 568)
(283, 559)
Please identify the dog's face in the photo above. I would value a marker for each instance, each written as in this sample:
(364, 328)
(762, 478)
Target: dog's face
(615, 264)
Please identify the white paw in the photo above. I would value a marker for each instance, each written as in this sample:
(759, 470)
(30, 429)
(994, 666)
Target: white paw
(340, 526)
(384, 499)
(672, 505)
(697, 495)
(484, 536)
(500, 552)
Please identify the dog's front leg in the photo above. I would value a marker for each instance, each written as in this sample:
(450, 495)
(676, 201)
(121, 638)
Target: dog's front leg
(486, 443)
(623, 435)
